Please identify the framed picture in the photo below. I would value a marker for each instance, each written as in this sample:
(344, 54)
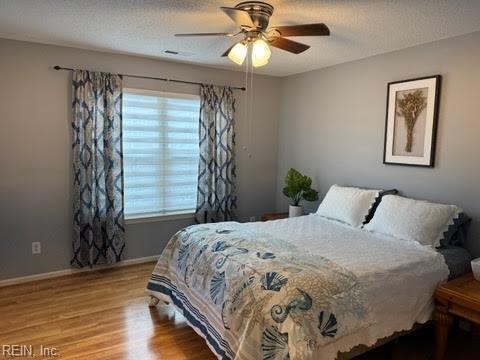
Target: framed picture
(411, 121)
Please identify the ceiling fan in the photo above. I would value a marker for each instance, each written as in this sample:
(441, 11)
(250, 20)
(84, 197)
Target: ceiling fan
(253, 18)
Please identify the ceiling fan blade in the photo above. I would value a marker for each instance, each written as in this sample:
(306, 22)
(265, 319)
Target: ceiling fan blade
(289, 45)
(228, 50)
(240, 17)
(304, 30)
(205, 34)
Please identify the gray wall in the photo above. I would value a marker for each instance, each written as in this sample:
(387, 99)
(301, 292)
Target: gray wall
(332, 125)
(35, 153)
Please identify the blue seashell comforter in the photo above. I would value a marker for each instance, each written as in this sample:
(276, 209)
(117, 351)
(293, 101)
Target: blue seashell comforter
(252, 295)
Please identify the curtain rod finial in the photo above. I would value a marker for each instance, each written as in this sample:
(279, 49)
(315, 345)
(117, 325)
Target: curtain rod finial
(56, 67)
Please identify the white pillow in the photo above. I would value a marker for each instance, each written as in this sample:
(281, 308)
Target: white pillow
(350, 205)
(409, 219)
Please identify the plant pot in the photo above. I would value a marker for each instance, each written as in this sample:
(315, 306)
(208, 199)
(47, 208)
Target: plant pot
(294, 211)
(476, 268)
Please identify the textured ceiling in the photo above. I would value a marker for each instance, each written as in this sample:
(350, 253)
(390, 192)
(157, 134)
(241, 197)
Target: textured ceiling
(360, 28)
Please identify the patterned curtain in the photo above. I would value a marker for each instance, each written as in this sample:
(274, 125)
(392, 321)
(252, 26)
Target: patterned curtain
(216, 198)
(98, 222)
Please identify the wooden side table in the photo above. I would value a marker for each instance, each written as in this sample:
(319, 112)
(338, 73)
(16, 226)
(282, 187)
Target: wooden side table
(274, 216)
(457, 298)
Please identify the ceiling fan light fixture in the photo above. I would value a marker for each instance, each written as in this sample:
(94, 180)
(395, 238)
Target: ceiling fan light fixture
(259, 63)
(260, 53)
(238, 53)
(253, 18)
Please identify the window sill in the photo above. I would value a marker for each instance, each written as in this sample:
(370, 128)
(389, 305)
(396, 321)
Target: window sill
(140, 219)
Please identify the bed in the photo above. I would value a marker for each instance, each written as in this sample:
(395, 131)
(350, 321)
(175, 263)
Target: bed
(298, 288)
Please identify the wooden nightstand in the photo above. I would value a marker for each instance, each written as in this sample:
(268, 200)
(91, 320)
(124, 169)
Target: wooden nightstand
(274, 216)
(459, 297)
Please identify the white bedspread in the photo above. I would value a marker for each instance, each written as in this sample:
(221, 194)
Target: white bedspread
(399, 276)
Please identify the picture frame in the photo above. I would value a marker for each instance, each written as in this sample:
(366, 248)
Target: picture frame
(411, 121)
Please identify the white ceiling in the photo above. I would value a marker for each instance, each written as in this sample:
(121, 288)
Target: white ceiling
(360, 28)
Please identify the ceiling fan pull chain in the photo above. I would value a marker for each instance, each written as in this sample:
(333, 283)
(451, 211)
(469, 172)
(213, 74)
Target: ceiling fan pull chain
(247, 92)
(251, 111)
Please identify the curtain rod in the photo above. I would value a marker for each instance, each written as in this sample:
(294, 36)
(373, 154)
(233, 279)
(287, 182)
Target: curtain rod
(56, 67)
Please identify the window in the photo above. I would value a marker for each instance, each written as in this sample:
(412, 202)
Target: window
(160, 153)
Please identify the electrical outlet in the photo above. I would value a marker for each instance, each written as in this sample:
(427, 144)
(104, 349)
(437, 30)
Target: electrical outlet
(36, 247)
(252, 218)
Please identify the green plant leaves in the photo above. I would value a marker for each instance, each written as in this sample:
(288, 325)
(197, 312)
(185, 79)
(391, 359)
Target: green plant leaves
(294, 182)
(298, 187)
(310, 195)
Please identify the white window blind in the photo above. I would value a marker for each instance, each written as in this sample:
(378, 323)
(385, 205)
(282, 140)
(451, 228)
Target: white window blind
(160, 152)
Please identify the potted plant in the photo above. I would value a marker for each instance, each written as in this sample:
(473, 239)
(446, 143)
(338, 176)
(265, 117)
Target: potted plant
(298, 188)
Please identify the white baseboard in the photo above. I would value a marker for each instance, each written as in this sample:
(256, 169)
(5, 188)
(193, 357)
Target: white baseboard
(54, 274)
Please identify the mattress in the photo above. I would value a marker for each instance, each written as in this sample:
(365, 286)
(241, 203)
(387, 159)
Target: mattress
(381, 286)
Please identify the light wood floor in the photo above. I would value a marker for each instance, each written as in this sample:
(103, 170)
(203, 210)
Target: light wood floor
(97, 315)
(105, 315)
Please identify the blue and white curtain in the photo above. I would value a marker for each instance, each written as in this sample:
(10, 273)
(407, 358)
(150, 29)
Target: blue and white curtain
(216, 198)
(98, 221)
